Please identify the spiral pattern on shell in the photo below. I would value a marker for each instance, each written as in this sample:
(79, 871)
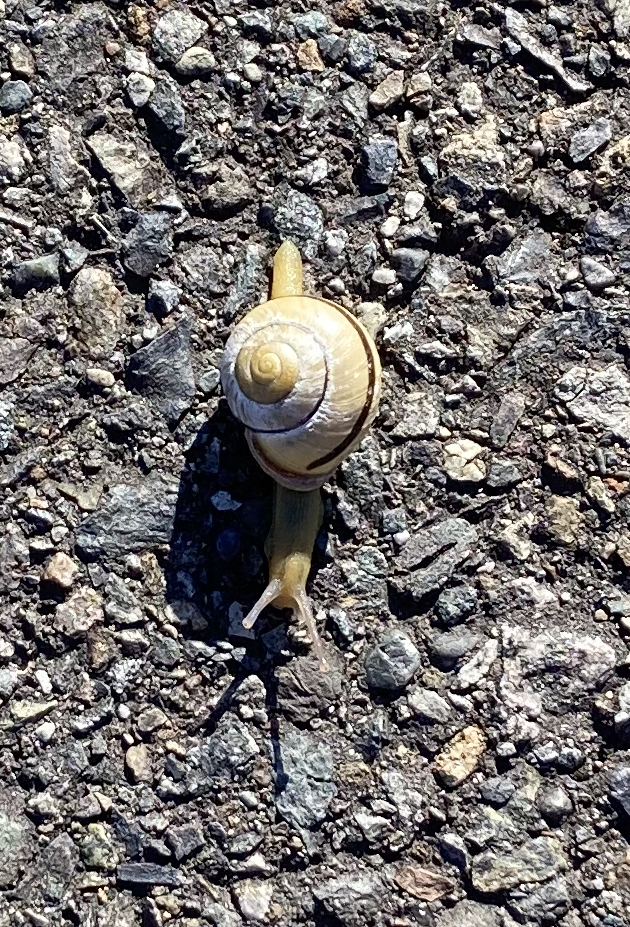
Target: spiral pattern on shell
(303, 375)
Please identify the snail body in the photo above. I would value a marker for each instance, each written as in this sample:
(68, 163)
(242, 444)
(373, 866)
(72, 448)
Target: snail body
(303, 376)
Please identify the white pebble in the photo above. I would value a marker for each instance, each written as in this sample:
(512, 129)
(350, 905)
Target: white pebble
(414, 203)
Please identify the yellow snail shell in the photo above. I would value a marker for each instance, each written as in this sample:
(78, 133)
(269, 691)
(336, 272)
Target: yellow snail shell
(304, 377)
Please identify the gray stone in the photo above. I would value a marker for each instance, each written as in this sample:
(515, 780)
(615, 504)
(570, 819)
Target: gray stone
(12, 163)
(185, 840)
(362, 54)
(298, 217)
(472, 914)
(50, 876)
(15, 95)
(596, 276)
(163, 297)
(98, 309)
(7, 421)
(534, 861)
(497, 791)
(162, 371)
(392, 663)
(175, 32)
(353, 898)
(38, 273)
(379, 158)
(446, 545)
(196, 62)
(506, 419)
(139, 89)
(128, 164)
(526, 260)
(454, 605)
(503, 474)
(518, 28)
(131, 517)
(427, 707)
(148, 874)
(446, 649)
(228, 751)
(258, 24)
(149, 243)
(15, 354)
(554, 804)
(619, 787)
(586, 142)
(167, 107)
(308, 790)
(409, 263)
(311, 25)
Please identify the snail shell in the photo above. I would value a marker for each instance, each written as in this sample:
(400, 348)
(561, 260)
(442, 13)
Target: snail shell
(303, 375)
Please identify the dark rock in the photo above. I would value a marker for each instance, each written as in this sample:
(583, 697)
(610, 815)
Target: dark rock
(258, 24)
(446, 649)
(148, 874)
(392, 663)
(409, 263)
(305, 692)
(596, 276)
(48, 879)
(226, 753)
(506, 419)
(502, 474)
(185, 840)
(379, 158)
(131, 517)
(15, 95)
(17, 836)
(162, 371)
(249, 274)
(554, 804)
(431, 556)
(298, 217)
(167, 108)
(311, 25)
(332, 48)
(15, 354)
(362, 54)
(497, 791)
(163, 297)
(38, 273)
(619, 788)
(454, 605)
(149, 243)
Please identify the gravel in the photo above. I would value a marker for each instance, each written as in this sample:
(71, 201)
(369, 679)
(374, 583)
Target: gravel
(456, 176)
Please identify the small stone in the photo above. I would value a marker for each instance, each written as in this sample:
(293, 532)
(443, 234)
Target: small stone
(447, 648)
(362, 54)
(139, 89)
(413, 205)
(175, 32)
(258, 24)
(554, 804)
(454, 605)
(79, 613)
(299, 217)
(37, 273)
(185, 840)
(534, 861)
(308, 56)
(99, 378)
(563, 519)
(21, 61)
(149, 243)
(379, 158)
(61, 570)
(427, 707)
(392, 663)
(462, 463)
(596, 276)
(27, 712)
(151, 720)
(15, 95)
(587, 141)
(384, 276)
(144, 874)
(253, 73)
(423, 882)
(162, 371)
(196, 62)
(167, 107)
(389, 91)
(497, 791)
(138, 764)
(253, 898)
(163, 297)
(506, 419)
(98, 309)
(470, 100)
(409, 263)
(460, 757)
(311, 25)
(46, 731)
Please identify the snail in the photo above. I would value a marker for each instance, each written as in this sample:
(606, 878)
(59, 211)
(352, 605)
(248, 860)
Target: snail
(303, 376)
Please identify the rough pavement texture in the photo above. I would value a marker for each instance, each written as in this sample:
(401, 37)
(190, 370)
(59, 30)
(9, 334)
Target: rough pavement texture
(457, 175)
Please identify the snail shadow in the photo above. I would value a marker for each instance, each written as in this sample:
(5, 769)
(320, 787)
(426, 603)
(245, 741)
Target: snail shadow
(216, 559)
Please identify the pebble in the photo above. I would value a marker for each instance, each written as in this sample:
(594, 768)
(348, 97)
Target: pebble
(139, 89)
(388, 92)
(253, 898)
(460, 757)
(311, 25)
(362, 54)
(596, 275)
(253, 73)
(554, 804)
(149, 243)
(138, 763)
(38, 273)
(196, 62)
(455, 604)
(586, 142)
(185, 840)
(379, 158)
(175, 32)
(409, 263)
(162, 371)
(15, 95)
(21, 61)
(308, 56)
(393, 662)
(99, 378)
(427, 707)
(536, 860)
(167, 108)
(61, 570)
(462, 462)
(413, 204)
(163, 297)
(148, 874)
